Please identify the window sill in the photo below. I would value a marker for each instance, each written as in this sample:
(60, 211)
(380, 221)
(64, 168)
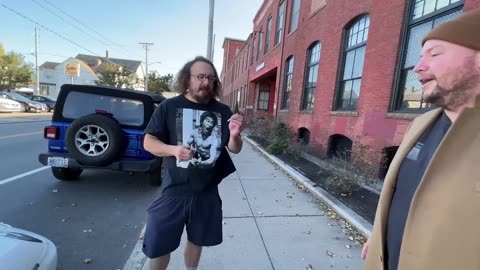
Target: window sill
(306, 111)
(344, 113)
(406, 116)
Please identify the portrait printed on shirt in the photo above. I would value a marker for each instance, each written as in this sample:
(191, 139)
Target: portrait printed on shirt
(199, 130)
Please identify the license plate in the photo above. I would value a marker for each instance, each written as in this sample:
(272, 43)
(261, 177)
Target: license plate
(57, 162)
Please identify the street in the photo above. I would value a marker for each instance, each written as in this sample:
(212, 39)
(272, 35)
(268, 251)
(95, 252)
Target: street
(99, 217)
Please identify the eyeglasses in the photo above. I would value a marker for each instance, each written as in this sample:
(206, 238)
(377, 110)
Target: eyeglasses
(202, 77)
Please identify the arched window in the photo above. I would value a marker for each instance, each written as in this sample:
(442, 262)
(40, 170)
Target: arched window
(353, 58)
(311, 75)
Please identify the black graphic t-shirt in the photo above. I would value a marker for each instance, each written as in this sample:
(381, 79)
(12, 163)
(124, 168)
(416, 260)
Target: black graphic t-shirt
(409, 176)
(203, 127)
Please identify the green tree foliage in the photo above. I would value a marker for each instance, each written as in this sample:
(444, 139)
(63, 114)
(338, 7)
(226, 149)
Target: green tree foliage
(159, 83)
(116, 76)
(14, 71)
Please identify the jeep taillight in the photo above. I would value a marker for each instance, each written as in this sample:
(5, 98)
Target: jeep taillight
(50, 133)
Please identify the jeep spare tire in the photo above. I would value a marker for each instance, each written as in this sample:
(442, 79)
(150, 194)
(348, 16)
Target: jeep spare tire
(95, 140)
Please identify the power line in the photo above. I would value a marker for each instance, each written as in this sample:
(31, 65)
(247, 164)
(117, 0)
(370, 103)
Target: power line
(78, 28)
(89, 28)
(55, 33)
(84, 25)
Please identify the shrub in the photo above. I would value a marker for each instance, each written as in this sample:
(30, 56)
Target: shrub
(277, 138)
(348, 176)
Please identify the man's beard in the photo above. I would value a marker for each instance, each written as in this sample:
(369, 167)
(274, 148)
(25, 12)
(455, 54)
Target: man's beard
(201, 98)
(457, 94)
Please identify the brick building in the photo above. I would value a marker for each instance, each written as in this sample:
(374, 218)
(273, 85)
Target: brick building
(339, 72)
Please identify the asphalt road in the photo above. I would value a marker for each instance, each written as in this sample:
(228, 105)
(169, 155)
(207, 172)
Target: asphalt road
(98, 217)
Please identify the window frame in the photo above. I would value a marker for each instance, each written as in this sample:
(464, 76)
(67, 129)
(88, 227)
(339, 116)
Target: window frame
(259, 44)
(280, 24)
(288, 77)
(297, 12)
(339, 89)
(268, 33)
(408, 24)
(308, 66)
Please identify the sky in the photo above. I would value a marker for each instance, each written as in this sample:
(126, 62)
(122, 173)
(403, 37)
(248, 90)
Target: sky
(178, 29)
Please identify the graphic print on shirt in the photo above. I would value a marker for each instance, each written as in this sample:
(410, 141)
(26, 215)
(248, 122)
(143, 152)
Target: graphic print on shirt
(199, 130)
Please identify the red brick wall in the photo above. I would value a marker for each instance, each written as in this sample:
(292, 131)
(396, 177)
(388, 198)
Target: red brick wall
(371, 124)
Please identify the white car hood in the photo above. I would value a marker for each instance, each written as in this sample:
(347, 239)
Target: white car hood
(19, 254)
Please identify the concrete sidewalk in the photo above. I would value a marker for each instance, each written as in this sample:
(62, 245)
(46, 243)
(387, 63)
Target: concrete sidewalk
(269, 223)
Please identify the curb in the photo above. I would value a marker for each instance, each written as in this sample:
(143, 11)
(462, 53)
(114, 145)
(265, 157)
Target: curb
(361, 224)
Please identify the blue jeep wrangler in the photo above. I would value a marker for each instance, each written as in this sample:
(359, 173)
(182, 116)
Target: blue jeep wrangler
(100, 128)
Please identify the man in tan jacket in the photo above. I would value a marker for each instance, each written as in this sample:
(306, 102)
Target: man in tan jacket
(428, 216)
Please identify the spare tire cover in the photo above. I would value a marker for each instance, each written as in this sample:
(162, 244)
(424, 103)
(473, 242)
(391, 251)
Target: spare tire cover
(94, 139)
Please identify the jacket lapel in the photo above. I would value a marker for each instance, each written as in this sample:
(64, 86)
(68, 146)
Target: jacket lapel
(415, 131)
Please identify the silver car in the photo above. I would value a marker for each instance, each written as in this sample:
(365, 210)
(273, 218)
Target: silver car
(24, 250)
(8, 105)
(26, 104)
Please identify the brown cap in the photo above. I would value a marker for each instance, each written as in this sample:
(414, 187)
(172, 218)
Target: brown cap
(464, 30)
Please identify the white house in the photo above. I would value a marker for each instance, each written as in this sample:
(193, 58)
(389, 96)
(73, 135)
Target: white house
(52, 76)
(85, 69)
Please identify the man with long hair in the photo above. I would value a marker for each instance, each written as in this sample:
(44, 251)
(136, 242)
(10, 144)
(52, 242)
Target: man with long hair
(189, 196)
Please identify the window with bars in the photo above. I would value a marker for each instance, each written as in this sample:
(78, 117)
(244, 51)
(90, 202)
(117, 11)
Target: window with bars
(267, 35)
(263, 96)
(288, 83)
(280, 21)
(423, 16)
(311, 75)
(353, 58)
(294, 16)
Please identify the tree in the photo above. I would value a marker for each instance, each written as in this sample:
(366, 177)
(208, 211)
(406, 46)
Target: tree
(2, 50)
(158, 83)
(116, 76)
(14, 71)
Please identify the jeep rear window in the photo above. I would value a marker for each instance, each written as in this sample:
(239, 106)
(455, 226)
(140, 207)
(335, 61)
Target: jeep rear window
(128, 112)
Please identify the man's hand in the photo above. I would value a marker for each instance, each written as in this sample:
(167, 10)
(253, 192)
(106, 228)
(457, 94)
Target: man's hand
(184, 152)
(365, 249)
(236, 124)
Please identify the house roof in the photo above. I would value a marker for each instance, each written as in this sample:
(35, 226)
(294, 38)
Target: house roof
(49, 65)
(92, 61)
(87, 67)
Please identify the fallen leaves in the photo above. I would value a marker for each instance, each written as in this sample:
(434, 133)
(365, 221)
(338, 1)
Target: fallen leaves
(329, 253)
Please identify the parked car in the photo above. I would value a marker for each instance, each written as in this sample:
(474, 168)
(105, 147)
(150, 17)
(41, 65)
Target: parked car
(45, 100)
(100, 128)
(24, 250)
(27, 105)
(8, 105)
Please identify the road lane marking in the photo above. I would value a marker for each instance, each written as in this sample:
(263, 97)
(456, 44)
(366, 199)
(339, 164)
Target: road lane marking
(23, 175)
(21, 135)
(137, 258)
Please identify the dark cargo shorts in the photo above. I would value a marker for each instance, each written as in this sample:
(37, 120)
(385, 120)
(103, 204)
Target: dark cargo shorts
(201, 213)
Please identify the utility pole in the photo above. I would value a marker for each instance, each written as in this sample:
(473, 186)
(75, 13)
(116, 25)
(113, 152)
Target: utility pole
(37, 69)
(213, 48)
(146, 45)
(210, 30)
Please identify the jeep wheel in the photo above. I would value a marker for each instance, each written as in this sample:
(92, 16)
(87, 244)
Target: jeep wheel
(66, 174)
(95, 139)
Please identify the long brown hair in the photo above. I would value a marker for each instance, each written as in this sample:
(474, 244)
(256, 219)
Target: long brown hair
(183, 77)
